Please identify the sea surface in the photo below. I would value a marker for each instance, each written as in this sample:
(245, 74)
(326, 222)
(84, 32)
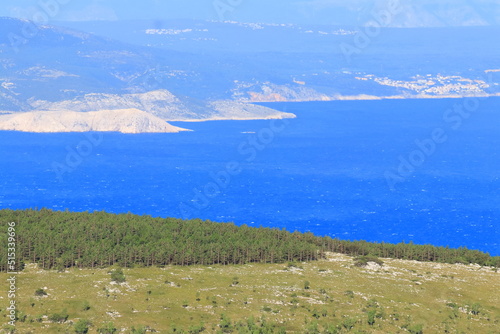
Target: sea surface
(426, 171)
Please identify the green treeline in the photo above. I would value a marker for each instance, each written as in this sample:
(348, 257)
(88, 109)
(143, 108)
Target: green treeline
(70, 239)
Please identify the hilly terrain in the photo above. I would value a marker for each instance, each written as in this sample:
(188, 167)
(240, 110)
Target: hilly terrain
(327, 296)
(314, 62)
(104, 273)
(79, 72)
(208, 70)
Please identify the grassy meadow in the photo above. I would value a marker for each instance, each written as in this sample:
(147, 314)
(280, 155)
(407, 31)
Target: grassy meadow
(326, 296)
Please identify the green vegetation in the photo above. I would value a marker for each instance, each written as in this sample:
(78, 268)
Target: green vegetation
(86, 306)
(59, 317)
(362, 261)
(40, 292)
(108, 274)
(82, 326)
(108, 328)
(60, 240)
(343, 298)
(118, 276)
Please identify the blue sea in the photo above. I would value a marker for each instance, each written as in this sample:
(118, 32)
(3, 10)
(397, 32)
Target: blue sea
(425, 171)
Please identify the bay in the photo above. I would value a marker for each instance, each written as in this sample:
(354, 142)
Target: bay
(333, 170)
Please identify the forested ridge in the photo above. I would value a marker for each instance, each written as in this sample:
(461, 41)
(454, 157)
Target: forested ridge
(61, 240)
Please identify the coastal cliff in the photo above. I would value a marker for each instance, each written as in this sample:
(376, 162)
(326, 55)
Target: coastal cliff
(125, 121)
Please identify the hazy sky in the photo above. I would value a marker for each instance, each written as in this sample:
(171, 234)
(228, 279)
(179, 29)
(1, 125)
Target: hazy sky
(352, 12)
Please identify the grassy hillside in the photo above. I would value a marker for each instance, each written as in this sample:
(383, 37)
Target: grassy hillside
(331, 295)
(197, 276)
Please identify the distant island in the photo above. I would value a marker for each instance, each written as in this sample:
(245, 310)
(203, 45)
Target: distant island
(132, 113)
(199, 70)
(125, 121)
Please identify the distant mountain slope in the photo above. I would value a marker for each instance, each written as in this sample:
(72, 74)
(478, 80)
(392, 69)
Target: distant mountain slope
(63, 70)
(406, 13)
(165, 105)
(419, 13)
(189, 70)
(308, 61)
(59, 63)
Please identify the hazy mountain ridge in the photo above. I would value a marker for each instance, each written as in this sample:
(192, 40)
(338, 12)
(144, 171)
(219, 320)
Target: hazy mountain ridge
(85, 73)
(183, 70)
(428, 13)
(85, 64)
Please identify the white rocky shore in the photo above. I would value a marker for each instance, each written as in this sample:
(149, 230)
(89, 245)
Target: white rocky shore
(129, 113)
(124, 120)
